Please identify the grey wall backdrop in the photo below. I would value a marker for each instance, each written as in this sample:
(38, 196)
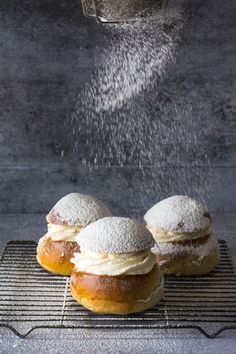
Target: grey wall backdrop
(47, 49)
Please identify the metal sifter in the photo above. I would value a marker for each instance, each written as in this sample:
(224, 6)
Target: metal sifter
(112, 11)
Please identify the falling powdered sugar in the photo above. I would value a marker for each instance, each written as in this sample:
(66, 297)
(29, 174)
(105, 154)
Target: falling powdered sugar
(126, 114)
(140, 51)
(136, 56)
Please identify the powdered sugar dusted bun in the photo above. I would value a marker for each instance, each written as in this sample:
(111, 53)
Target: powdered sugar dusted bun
(178, 218)
(203, 249)
(115, 235)
(195, 257)
(77, 209)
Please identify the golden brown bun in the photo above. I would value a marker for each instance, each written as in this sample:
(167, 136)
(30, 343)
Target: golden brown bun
(55, 256)
(121, 295)
(189, 262)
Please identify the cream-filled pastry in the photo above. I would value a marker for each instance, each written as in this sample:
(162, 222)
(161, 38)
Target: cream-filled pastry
(115, 271)
(131, 263)
(182, 229)
(65, 221)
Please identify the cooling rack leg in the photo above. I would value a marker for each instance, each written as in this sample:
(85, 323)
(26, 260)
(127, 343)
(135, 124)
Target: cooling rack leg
(202, 331)
(18, 334)
(23, 336)
(226, 328)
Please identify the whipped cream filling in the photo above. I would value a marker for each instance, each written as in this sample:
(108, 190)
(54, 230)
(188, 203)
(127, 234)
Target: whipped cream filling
(201, 250)
(161, 235)
(114, 264)
(63, 233)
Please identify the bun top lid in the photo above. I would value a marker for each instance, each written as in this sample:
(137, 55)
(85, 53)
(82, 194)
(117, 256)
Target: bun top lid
(77, 209)
(179, 214)
(115, 235)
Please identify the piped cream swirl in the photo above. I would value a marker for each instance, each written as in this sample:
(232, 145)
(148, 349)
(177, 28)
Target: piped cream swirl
(63, 233)
(114, 264)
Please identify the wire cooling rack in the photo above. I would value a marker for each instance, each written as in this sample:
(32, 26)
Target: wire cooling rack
(32, 298)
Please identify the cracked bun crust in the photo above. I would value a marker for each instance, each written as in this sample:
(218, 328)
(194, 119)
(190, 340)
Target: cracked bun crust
(55, 256)
(121, 294)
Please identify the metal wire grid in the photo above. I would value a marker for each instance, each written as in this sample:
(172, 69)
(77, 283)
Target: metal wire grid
(32, 298)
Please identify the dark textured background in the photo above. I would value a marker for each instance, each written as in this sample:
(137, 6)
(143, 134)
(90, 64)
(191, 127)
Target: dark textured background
(47, 49)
